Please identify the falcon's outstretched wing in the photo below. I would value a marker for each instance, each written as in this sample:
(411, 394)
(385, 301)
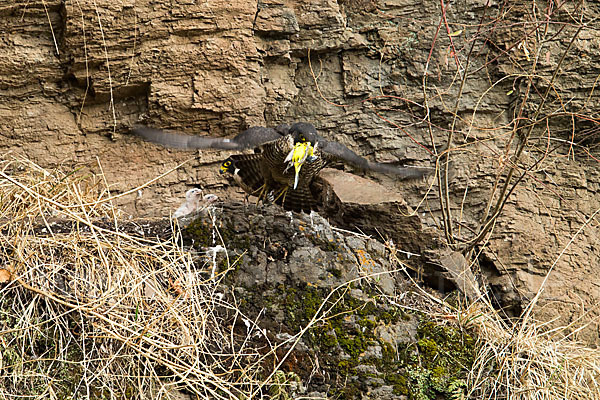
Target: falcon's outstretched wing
(334, 151)
(249, 138)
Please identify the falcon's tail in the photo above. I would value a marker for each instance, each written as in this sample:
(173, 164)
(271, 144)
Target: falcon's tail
(299, 199)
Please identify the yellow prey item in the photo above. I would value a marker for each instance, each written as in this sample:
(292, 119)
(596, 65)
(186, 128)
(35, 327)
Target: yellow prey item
(297, 157)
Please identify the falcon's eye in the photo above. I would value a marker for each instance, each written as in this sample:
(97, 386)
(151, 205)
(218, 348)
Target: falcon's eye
(302, 138)
(227, 163)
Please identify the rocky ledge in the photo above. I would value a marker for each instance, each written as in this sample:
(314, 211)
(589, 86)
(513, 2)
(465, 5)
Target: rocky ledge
(342, 307)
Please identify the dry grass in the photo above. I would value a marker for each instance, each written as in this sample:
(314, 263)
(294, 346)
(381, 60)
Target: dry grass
(521, 359)
(105, 313)
(528, 360)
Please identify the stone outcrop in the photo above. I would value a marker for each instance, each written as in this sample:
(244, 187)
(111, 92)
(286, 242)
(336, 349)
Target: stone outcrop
(289, 269)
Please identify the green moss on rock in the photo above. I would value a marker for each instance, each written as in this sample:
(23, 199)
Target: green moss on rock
(438, 368)
(203, 234)
(432, 367)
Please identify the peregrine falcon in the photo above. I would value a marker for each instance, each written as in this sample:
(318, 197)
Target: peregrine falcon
(256, 136)
(285, 160)
(280, 171)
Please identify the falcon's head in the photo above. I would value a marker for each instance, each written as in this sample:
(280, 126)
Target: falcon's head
(227, 166)
(303, 132)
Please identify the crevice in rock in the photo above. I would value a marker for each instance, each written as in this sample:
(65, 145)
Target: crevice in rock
(504, 294)
(258, 8)
(60, 29)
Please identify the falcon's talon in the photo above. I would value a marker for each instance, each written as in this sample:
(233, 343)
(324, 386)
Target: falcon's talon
(283, 192)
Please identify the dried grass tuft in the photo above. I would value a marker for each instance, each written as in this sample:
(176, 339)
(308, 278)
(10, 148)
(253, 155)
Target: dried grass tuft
(94, 310)
(527, 360)
(519, 359)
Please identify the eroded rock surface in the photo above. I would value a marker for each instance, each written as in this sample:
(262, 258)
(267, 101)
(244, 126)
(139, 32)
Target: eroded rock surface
(356, 203)
(275, 245)
(288, 269)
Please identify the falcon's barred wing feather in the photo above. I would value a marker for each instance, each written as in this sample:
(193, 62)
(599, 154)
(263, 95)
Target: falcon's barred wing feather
(299, 199)
(248, 172)
(249, 138)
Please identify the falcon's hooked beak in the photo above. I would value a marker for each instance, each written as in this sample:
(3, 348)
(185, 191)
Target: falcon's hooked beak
(297, 156)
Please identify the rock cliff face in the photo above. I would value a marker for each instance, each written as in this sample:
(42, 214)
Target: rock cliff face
(393, 80)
